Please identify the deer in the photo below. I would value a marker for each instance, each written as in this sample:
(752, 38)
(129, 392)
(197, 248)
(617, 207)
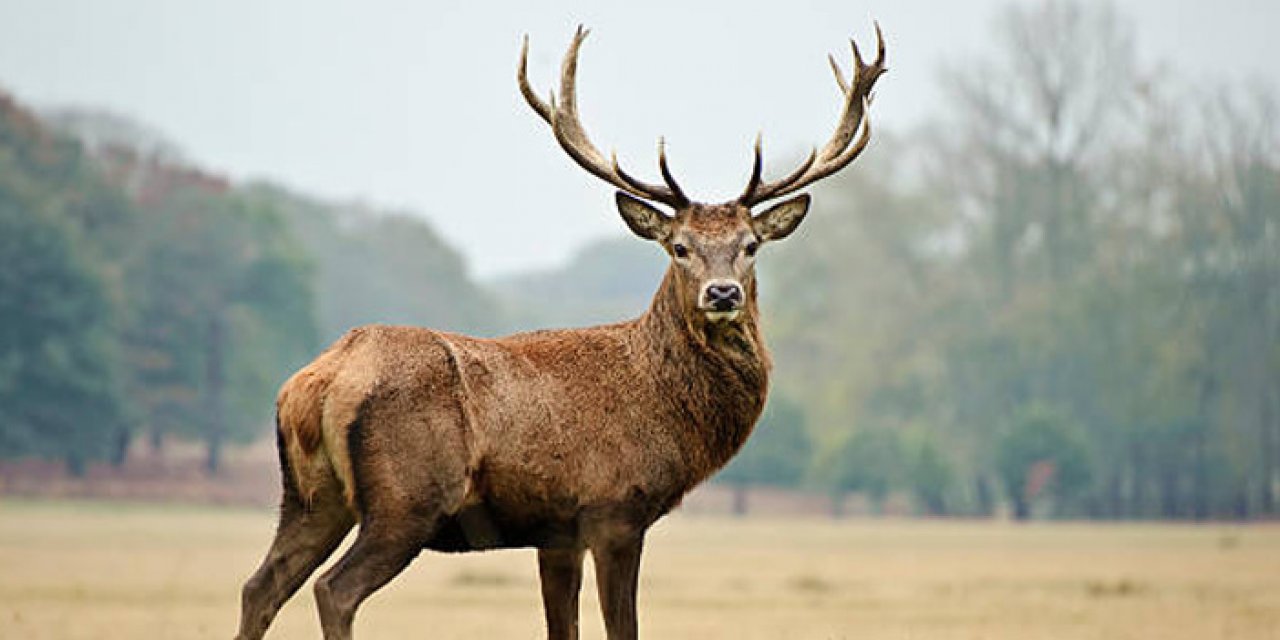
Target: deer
(566, 441)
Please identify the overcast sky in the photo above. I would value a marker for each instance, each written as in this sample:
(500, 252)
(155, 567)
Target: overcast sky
(414, 104)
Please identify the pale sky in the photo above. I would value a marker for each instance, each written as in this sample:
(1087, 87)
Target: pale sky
(414, 104)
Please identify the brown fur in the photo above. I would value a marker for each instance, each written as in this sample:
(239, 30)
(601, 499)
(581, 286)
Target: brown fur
(573, 418)
(563, 440)
(567, 440)
(583, 418)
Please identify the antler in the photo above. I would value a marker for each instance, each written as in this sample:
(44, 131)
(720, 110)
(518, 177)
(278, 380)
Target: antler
(838, 152)
(568, 130)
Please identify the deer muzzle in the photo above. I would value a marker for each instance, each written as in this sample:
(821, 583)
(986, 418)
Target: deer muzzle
(721, 300)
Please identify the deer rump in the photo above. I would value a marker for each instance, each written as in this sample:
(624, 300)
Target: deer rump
(510, 440)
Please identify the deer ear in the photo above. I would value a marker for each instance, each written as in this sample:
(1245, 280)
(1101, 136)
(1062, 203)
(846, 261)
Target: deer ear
(642, 218)
(778, 221)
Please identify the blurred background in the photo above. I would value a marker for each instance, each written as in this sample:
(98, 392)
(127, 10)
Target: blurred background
(1050, 289)
(1049, 293)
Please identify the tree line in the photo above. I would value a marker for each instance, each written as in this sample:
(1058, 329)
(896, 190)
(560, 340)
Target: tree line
(144, 297)
(1063, 295)
(1060, 296)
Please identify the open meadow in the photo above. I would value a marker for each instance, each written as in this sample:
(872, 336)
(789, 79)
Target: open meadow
(106, 571)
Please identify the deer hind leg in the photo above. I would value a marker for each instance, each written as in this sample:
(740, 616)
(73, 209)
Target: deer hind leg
(409, 475)
(305, 537)
(617, 574)
(560, 571)
(379, 554)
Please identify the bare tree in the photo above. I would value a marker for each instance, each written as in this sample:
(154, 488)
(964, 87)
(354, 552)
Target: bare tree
(1031, 128)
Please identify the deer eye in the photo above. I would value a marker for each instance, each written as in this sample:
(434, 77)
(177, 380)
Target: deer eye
(751, 248)
(680, 250)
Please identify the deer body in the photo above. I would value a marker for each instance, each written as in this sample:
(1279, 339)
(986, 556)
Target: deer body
(529, 440)
(568, 440)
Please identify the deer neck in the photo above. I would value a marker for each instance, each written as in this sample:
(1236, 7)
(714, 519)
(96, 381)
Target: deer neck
(714, 376)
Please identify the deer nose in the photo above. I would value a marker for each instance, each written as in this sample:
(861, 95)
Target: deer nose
(724, 296)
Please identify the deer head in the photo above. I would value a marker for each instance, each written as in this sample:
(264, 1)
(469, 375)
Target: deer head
(712, 246)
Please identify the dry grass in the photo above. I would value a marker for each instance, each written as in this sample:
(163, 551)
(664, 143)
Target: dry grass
(101, 571)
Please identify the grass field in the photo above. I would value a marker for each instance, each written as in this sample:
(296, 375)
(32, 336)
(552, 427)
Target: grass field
(105, 571)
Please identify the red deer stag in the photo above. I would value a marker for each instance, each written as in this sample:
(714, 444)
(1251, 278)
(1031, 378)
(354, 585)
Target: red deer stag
(561, 440)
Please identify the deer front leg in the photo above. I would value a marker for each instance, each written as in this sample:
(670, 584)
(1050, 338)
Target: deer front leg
(561, 573)
(617, 574)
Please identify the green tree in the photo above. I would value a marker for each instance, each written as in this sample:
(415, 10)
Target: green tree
(873, 462)
(777, 453)
(1042, 454)
(59, 393)
(930, 474)
(62, 235)
(223, 309)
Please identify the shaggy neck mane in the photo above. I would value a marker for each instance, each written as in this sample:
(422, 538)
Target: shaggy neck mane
(714, 375)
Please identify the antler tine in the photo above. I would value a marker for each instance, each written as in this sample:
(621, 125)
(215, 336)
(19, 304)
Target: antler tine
(569, 132)
(851, 113)
(678, 198)
(826, 168)
(857, 55)
(768, 191)
(564, 120)
(879, 45)
(666, 174)
(835, 69)
(633, 185)
(757, 169)
(850, 138)
(522, 77)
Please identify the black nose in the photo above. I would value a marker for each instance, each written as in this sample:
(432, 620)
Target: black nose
(724, 296)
